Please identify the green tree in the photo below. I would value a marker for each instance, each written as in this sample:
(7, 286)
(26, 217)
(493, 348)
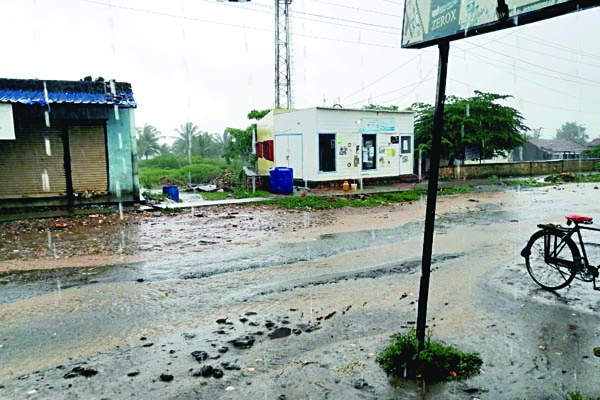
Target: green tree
(223, 141)
(476, 122)
(258, 114)
(380, 107)
(572, 131)
(164, 150)
(183, 144)
(536, 133)
(240, 145)
(204, 144)
(238, 142)
(147, 141)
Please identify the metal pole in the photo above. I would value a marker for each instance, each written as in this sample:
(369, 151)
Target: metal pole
(277, 56)
(434, 171)
(288, 57)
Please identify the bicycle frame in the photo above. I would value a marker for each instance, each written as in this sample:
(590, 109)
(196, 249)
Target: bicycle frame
(552, 257)
(581, 264)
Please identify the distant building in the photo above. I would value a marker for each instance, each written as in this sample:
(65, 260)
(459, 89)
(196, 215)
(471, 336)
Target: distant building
(594, 143)
(335, 144)
(548, 149)
(66, 143)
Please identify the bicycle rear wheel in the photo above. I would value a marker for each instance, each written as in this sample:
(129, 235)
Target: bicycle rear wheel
(551, 263)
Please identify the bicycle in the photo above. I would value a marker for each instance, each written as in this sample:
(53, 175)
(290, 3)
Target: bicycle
(553, 258)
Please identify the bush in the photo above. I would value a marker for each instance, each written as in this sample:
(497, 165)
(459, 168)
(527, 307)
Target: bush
(436, 363)
(217, 162)
(149, 177)
(198, 173)
(163, 162)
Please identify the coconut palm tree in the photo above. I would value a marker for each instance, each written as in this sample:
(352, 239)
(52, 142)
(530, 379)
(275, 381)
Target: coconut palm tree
(147, 141)
(183, 144)
(164, 150)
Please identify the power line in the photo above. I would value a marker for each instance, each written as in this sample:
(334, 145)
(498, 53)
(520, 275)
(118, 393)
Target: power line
(557, 46)
(163, 14)
(194, 19)
(251, 8)
(347, 41)
(512, 32)
(533, 64)
(554, 56)
(413, 85)
(293, 15)
(394, 2)
(495, 64)
(383, 76)
(357, 9)
(347, 20)
(532, 82)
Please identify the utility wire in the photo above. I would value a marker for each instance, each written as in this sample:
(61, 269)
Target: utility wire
(293, 11)
(163, 14)
(533, 64)
(383, 76)
(294, 16)
(176, 16)
(557, 46)
(581, 81)
(394, 2)
(393, 28)
(554, 56)
(413, 85)
(357, 9)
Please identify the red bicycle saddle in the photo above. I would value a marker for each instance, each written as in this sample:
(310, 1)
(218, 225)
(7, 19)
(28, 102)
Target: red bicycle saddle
(577, 218)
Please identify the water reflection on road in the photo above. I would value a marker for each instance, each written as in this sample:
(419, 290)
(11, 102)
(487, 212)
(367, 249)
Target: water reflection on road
(48, 316)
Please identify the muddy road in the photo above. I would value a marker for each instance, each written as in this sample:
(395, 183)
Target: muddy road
(292, 305)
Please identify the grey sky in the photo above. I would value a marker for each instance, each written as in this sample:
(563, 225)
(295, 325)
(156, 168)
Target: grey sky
(210, 62)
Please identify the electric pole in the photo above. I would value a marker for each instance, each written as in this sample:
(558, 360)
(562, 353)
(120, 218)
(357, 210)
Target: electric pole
(283, 78)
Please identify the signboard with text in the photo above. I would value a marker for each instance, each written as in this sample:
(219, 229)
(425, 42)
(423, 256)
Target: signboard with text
(428, 22)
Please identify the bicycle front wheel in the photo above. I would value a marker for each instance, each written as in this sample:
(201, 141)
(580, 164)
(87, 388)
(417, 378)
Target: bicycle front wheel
(551, 262)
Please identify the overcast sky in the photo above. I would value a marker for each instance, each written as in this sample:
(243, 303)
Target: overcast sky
(212, 62)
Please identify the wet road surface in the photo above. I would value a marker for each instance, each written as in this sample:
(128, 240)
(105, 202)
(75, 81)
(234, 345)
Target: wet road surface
(535, 344)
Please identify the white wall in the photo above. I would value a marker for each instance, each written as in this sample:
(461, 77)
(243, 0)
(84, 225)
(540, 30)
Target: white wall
(348, 127)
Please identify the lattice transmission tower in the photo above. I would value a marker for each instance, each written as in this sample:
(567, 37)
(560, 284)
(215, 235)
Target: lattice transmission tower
(283, 76)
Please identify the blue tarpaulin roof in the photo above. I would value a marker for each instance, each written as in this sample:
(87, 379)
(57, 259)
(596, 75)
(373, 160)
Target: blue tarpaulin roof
(31, 91)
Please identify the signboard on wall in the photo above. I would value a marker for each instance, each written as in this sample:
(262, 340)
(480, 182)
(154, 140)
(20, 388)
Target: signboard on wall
(428, 22)
(7, 126)
(375, 125)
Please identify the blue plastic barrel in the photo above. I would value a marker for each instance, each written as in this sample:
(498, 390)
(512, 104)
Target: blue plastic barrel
(281, 180)
(172, 192)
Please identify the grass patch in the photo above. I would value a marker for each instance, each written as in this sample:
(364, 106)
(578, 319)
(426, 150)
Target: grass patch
(579, 396)
(456, 189)
(243, 193)
(154, 196)
(436, 363)
(313, 202)
(549, 180)
(588, 177)
(531, 182)
(214, 196)
(187, 174)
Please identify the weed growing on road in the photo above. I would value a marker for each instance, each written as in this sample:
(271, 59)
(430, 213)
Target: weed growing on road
(436, 363)
(243, 193)
(238, 193)
(312, 202)
(355, 200)
(549, 180)
(456, 189)
(579, 396)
